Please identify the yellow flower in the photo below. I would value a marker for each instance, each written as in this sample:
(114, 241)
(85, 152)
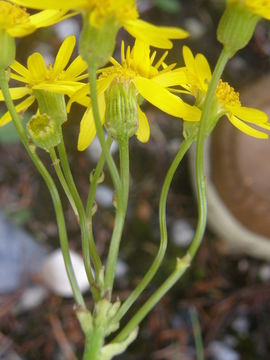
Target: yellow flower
(257, 7)
(54, 78)
(198, 75)
(17, 22)
(137, 68)
(124, 12)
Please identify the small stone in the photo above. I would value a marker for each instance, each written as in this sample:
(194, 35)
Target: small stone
(182, 233)
(20, 256)
(219, 351)
(54, 275)
(241, 325)
(195, 27)
(104, 196)
(66, 28)
(31, 298)
(264, 273)
(121, 269)
(94, 150)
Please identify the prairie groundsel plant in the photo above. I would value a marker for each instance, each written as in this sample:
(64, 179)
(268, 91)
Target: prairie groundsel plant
(112, 95)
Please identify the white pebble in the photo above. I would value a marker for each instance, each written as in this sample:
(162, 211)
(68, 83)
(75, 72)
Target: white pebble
(195, 27)
(66, 28)
(94, 150)
(121, 269)
(220, 351)
(31, 298)
(53, 273)
(264, 273)
(104, 196)
(182, 233)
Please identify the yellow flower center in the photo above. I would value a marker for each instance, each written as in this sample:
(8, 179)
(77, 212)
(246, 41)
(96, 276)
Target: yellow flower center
(227, 95)
(119, 10)
(11, 15)
(133, 66)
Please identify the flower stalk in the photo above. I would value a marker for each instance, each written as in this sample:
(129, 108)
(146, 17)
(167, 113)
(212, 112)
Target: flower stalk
(51, 187)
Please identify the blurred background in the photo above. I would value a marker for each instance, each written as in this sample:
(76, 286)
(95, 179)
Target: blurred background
(225, 292)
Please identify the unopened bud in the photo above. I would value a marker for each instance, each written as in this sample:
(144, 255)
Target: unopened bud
(97, 43)
(121, 116)
(236, 26)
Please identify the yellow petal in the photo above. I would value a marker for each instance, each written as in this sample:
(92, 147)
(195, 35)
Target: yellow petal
(247, 129)
(37, 67)
(171, 78)
(189, 59)
(21, 70)
(48, 17)
(59, 88)
(77, 67)
(251, 115)
(16, 93)
(141, 58)
(170, 32)
(87, 126)
(203, 70)
(104, 83)
(21, 30)
(142, 30)
(165, 101)
(64, 54)
(52, 4)
(80, 96)
(143, 132)
(24, 105)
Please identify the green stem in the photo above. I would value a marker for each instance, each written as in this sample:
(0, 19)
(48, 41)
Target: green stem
(121, 185)
(182, 265)
(202, 209)
(163, 231)
(94, 344)
(121, 208)
(62, 179)
(51, 186)
(197, 334)
(88, 246)
(200, 179)
(94, 183)
(94, 100)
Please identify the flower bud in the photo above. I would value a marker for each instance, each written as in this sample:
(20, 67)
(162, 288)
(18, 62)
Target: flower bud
(121, 115)
(44, 131)
(8, 49)
(97, 43)
(236, 27)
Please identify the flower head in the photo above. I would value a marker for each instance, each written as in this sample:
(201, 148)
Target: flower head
(257, 7)
(198, 75)
(150, 80)
(124, 12)
(54, 78)
(17, 22)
